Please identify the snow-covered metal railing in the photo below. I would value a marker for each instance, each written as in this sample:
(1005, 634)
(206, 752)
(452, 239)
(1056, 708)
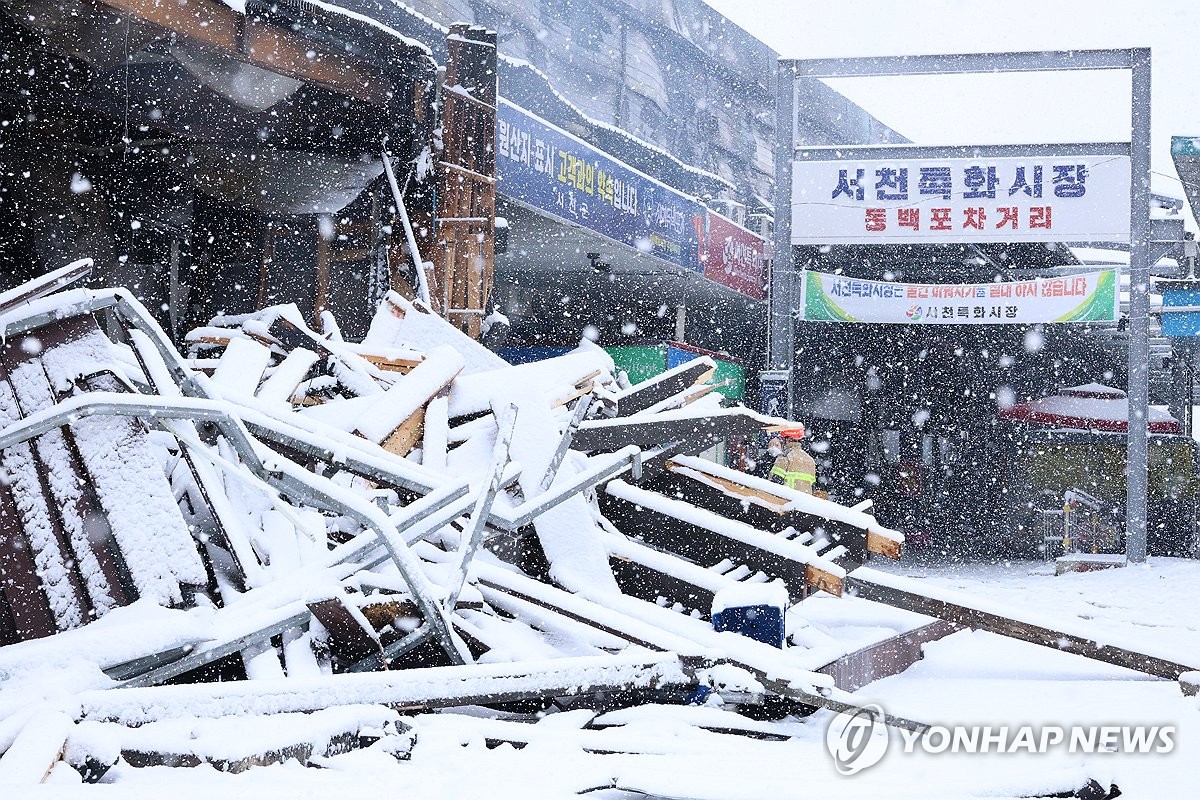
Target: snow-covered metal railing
(276, 471)
(120, 302)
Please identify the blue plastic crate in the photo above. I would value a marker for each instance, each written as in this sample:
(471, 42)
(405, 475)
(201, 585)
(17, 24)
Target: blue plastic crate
(763, 623)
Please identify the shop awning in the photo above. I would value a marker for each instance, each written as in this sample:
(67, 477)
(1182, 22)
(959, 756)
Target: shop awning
(1091, 407)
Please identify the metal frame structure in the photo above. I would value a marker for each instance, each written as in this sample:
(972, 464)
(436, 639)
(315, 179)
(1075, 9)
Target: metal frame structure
(783, 300)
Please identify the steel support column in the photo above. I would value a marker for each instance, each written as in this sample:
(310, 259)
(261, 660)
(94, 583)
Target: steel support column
(781, 328)
(1138, 388)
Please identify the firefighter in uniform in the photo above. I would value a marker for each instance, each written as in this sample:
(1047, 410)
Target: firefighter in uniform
(794, 467)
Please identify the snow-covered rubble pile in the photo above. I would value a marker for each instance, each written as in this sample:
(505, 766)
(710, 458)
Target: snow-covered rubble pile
(285, 550)
(285, 520)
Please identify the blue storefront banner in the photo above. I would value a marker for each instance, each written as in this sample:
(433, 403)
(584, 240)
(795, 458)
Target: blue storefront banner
(551, 170)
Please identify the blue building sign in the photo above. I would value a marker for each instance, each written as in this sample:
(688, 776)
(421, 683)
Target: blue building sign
(551, 170)
(1185, 296)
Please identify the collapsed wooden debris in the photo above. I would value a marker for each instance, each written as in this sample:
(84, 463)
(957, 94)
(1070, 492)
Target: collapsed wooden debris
(299, 509)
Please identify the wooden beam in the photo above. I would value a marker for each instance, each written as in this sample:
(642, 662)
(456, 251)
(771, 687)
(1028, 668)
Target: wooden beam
(587, 388)
(38, 746)
(770, 501)
(351, 641)
(466, 213)
(763, 502)
(816, 578)
(22, 594)
(405, 438)
(884, 659)
(871, 585)
(665, 386)
(760, 551)
(652, 431)
(261, 44)
(882, 545)
(321, 294)
(410, 690)
(401, 365)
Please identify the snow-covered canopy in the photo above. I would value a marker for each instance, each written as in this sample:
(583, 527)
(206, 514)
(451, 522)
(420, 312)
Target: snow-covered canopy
(1091, 406)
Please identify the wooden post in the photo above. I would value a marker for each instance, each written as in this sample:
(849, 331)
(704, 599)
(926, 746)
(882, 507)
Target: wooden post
(465, 221)
(321, 295)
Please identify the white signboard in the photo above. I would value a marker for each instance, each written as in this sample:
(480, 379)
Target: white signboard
(1089, 297)
(1070, 198)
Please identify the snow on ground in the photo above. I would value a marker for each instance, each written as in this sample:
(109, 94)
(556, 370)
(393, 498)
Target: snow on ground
(970, 678)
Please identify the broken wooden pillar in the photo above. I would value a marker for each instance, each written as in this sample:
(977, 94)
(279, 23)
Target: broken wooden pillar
(465, 221)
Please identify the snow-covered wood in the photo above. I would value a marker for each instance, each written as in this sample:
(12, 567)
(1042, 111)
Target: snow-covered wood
(241, 367)
(380, 420)
(1073, 637)
(308, 549)
(35, 751)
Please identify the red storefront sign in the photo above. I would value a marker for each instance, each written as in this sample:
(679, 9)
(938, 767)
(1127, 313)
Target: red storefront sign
(733, 256)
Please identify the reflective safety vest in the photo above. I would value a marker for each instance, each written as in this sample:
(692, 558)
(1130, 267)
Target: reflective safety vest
(790, 478)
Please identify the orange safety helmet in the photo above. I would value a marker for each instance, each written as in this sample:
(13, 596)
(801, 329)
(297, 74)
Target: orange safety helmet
(793, 433)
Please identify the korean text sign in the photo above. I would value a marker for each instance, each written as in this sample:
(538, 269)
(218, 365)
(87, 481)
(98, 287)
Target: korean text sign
(1087, 297)
(1070, 198)
(554, 172)
(733, 256)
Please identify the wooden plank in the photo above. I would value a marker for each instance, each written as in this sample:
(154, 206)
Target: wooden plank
(321, 295)
(884, 659)
(957, 611)
(287, 376)
(405, 438)
(575, 395)
(692, 397)
(401, 365)
(351, 641)
(241, 367)
(247, 757)
(586, 380)
(652, 431)
(45, 284)
(646, 583)
(28, 614)
(657, 628)
(66, 504)
(466, 173)
(708, 547)
(99, 439)
(665, 386)
(291, 336)
(408, 690)
(34, 751)
(757, 506)
(264, 45)
(771, 502)
(214, 340)
(466, 185)
(396, 408)
(816, 578)
(882, 545)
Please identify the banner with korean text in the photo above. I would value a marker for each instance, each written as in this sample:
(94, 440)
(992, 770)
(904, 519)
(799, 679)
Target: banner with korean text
(1076, 198)
(555, 172)
(732, 256)
(1088, 297)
